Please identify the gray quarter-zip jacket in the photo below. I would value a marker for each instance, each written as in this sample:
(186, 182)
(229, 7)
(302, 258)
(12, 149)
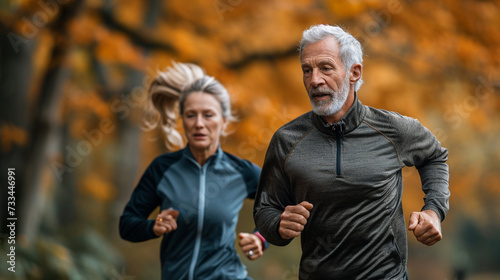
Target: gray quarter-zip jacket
(351, 172)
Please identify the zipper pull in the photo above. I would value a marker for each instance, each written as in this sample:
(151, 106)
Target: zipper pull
(339, 128)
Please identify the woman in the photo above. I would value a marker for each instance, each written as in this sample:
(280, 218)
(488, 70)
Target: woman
(200, 189)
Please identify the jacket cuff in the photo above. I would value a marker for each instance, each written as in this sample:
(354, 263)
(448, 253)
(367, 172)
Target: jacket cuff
(441, 215)
(151, 232)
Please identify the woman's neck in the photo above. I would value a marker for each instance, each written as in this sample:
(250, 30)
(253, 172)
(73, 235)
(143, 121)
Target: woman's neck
(201, 155)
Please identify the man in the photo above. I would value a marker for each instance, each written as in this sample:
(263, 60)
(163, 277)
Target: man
(334, 177)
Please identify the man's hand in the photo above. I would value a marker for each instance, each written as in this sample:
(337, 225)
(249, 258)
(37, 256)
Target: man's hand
(426, 227)
(293, 219)
(251, 245)
(166, 221)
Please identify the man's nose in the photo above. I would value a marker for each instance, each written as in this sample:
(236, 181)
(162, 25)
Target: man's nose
(316, 78)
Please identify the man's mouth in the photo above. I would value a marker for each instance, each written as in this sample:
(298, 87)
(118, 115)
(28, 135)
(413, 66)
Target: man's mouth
(319, 93)
(320, 96)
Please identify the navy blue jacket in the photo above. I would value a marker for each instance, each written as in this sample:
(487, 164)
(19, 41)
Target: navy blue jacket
(208, 197)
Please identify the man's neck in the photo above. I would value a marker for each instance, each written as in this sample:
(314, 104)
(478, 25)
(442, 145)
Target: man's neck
(335, 118)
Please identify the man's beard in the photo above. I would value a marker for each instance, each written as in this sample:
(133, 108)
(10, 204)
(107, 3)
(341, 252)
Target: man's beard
(335, 102)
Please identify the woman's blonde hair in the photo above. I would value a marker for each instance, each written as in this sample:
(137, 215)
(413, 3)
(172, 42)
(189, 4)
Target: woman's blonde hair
(169, 91)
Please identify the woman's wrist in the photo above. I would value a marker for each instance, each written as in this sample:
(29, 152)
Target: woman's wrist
(262, 239)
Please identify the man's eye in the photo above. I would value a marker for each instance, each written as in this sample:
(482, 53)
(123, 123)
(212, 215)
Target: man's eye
(306, 71)
(327, 68)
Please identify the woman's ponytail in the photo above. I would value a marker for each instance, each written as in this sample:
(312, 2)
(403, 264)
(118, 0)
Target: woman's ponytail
(163, 99)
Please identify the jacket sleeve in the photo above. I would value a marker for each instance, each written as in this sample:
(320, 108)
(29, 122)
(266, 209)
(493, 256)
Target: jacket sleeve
(273, 194)
(420, 148)
(251, 176)
(134, 223)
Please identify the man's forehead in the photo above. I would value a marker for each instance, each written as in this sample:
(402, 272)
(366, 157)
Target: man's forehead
(327, 48)
(318, 59)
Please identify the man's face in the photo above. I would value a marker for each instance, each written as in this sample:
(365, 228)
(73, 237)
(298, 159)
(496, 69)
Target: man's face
(324, 76)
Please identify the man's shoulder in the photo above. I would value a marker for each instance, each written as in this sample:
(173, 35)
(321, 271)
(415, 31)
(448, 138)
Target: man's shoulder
(298, 125)
(288, 134)
(386, 118)
(392, 124)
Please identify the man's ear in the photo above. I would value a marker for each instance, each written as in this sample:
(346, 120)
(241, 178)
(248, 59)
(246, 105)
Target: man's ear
(356, 73)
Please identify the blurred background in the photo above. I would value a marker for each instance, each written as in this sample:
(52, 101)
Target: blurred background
(73, 83)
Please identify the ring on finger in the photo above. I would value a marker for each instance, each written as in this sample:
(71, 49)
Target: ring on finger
(250, 253)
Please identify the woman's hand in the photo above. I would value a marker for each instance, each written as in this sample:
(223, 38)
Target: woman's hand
(251, 245)
(166, 221)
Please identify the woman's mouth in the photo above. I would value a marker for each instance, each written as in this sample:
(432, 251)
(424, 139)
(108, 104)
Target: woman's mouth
(199, 136)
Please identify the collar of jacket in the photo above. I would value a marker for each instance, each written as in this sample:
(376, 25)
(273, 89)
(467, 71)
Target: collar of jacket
(215, 157)
(349, 121)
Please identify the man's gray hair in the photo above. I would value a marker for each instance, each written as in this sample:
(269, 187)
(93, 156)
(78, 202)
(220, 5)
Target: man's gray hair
(350, 48)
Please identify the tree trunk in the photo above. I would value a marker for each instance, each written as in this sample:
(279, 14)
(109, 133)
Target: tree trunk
(44, 125)
(15, 71)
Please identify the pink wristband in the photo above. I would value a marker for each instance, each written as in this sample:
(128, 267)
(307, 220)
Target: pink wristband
(261, 239)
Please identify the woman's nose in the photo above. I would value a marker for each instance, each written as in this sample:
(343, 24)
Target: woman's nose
(199, 121)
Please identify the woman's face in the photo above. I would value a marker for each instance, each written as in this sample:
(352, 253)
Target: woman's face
(203, 121)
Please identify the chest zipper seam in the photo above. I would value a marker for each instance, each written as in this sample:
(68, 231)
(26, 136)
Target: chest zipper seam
(201, 214)
(339, 134)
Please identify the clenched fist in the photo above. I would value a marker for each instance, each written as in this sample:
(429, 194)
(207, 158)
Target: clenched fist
(166, 221)
(251, 245)
(293, 219)
(426, 227)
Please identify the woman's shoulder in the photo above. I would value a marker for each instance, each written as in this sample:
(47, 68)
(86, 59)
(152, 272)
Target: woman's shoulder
(242, 165)
(165, 160)
(248, 170)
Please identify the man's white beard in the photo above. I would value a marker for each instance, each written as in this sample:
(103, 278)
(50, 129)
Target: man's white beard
(335, 102)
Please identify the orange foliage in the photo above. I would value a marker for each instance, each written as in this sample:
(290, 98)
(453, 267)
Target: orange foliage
(116, 47)
(11, 135)
(492, 184)
(83, 29)
(91, 101)
(129, 12)
(345, 9)
(97, 187)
